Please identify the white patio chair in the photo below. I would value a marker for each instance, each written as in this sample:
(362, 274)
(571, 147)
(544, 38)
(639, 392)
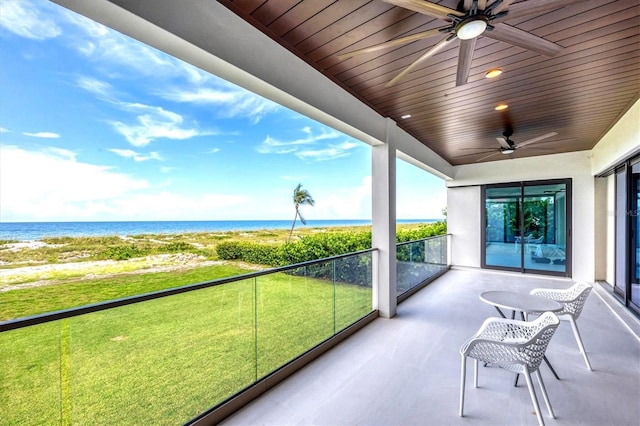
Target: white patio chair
(513, 345)
(572, 300)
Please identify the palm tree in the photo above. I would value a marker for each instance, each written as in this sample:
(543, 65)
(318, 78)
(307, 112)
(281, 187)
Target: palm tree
(300, 197)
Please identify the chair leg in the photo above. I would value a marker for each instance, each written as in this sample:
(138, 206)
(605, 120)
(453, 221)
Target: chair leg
(534, 399)
(576, 333)
(475, 373)
(463, 376)
(544, 394)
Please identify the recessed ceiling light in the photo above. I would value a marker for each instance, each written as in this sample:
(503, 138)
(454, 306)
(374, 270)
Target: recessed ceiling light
(404, 117)
(501, 107)
(493, 73)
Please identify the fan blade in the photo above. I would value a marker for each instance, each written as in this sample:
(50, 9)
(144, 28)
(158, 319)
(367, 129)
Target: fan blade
(503, 143)
(477, 148)
(426, 8)
(532, 7)
(392, 43)
(534, 140)
(517, 37)
(482, 4)
(467, 47)
(535, 148)
(435, 49)
(488, 156)
(496, 8)
(466, 5)
(475, 153)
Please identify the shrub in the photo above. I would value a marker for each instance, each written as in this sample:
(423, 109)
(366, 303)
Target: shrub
(261, 254)
(423, 231)
(122, 252)
(317, 246)
(176, 247)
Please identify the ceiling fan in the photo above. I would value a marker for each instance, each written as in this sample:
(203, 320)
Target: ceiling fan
(508, 146)
(471, 19)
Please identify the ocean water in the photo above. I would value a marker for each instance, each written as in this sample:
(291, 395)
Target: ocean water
(31, 231)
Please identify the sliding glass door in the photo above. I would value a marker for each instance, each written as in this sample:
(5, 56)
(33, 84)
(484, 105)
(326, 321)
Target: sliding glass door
(627, 234)
(621, 247)
(527, 227)
(634, 216)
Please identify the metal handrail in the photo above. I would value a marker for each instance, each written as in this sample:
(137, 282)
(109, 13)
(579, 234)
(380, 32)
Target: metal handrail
(422, 239)
(17, 323)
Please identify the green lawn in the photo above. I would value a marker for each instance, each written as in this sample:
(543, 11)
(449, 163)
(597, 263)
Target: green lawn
(162, 361)
(47, 298)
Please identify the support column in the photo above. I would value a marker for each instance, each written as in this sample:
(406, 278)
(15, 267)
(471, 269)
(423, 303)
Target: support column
(384, 222)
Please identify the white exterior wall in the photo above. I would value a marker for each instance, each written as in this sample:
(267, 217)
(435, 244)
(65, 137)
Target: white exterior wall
(576, 166)
(463, 223)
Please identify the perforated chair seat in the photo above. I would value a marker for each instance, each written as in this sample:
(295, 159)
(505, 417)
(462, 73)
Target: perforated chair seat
(513, 345)
(572, 300)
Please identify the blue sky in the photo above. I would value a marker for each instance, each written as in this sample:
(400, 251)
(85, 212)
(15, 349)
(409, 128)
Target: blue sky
(97, 126)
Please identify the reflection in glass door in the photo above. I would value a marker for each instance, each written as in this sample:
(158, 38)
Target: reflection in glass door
(634, 214)
(620, 284)
(544, 227)
(526, 227)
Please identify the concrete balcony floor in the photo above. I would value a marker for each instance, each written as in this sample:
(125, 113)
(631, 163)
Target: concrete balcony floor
(406, 370)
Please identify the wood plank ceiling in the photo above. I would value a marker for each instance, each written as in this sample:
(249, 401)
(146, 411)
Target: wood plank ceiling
(579, 93)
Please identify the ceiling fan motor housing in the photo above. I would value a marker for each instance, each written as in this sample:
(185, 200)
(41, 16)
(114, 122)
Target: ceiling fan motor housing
(474, 22)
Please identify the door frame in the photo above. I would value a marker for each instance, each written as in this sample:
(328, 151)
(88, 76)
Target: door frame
(568, 224)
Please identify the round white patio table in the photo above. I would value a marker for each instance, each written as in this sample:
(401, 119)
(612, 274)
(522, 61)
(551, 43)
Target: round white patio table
(524, 303)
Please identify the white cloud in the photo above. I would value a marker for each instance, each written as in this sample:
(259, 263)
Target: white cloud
(137, 157)
(21, 18)
(328, 153)
(343, 202)
(4, 130)
(213, 150)
(274, 146)
(233, 101)
(309, 146)
(62, 153)
(154, 123)
(51, 185)
(45, 135)
(151, 122)
(101, 89)
(102, 44)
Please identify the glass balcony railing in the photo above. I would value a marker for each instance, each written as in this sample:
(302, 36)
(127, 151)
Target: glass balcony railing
(419, 261)
(166, 357)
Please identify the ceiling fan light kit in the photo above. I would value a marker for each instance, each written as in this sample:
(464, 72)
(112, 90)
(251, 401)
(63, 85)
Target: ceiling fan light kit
(471, 27)
(470, 20)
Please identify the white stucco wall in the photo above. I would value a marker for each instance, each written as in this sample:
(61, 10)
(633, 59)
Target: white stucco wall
(464, 193)
(463, 223)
